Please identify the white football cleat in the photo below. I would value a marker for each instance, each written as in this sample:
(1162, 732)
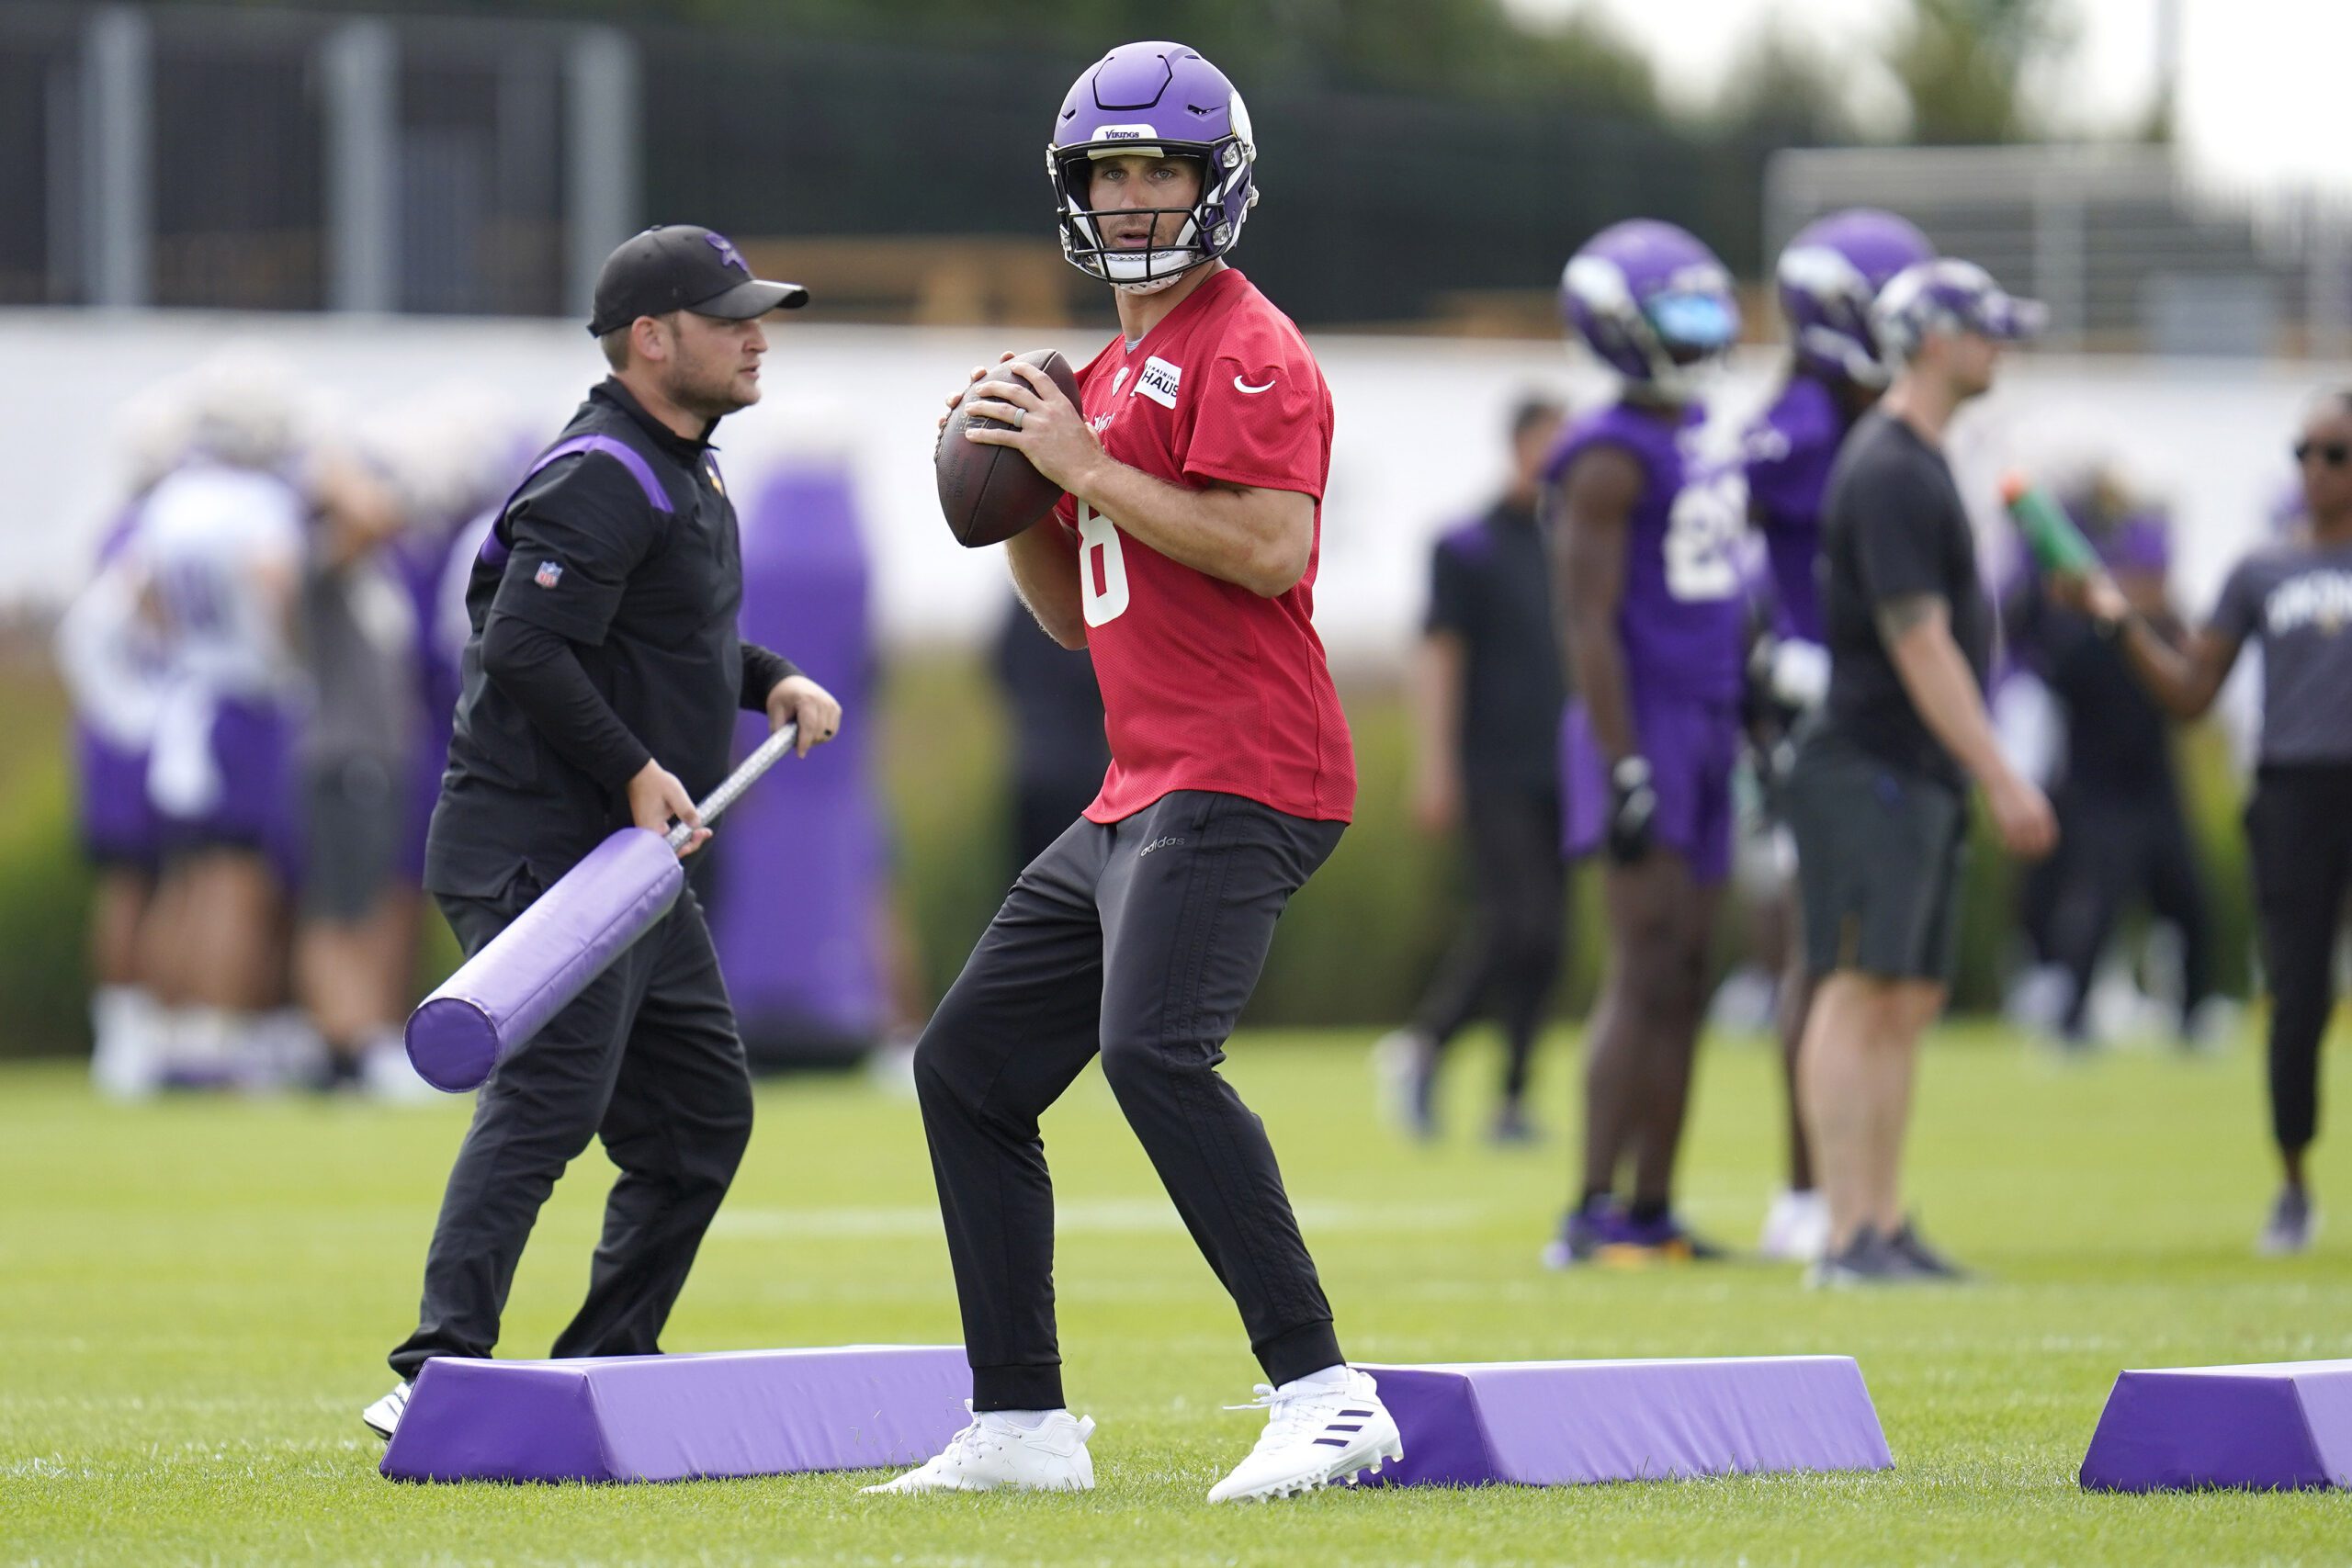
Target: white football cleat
(1796, 1228)
(383, 1417)
(994, 1454)
(1313, 1437)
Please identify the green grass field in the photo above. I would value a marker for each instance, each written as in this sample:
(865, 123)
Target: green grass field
(196, 1297)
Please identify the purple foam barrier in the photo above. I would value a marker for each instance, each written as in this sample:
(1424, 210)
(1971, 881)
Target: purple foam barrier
(524, 976)
(2285, 1425)
(680, 1417)
(1568, 1422)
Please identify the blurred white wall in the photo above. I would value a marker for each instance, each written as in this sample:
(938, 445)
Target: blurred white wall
(1419, 439)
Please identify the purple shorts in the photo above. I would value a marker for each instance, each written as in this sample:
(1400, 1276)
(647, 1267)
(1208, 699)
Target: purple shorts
(117, 822)
(1692, 746)
(253, 745)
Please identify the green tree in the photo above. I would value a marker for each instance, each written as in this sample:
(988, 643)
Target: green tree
(1784, 94)
(1961, 63)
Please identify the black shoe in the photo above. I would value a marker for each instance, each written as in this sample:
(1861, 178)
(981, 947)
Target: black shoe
(1512, 1126)
(1932, 1264)
(1868, 1259)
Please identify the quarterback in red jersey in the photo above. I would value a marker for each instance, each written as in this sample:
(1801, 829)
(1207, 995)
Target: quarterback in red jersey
(1183, 558)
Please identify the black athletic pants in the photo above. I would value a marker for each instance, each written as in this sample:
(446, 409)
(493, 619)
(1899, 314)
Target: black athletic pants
(1140, 940)
(2299, 828)
(1507, 954)
(647, 1060)
(2113, 846)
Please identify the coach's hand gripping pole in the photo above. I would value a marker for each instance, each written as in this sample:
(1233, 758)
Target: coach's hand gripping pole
(730, 788)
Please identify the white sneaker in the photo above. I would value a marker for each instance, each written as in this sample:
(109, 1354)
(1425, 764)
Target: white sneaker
(383, 1417)
(388, 1076)
(1796, 1228)
(993, 1453)
(126, 1060)
(1403, 1072)
(1313, 1437)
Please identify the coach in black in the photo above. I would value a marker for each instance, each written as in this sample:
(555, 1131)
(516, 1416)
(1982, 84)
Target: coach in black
(1878, 796)
(1487, 682)
(601, 679)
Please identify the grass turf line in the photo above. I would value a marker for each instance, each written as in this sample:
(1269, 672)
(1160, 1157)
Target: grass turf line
(196, 1298)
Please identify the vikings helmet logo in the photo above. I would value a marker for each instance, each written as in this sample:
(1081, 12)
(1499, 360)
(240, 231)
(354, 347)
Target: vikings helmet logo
(727, 253)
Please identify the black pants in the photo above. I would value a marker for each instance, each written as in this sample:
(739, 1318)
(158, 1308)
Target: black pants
(2299, 828)
(1042, 809)
(1140, 940)
(2113, 847)
(647, 1060)
(1507, 954)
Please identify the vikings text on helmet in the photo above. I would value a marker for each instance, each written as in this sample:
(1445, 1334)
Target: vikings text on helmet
(1153, 100)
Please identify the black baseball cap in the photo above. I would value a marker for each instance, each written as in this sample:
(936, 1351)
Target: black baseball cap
(683, 267)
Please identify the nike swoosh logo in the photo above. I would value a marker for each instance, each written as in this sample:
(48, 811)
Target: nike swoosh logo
(1241, 385)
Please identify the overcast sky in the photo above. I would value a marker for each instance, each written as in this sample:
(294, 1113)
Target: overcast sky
(2263, 82)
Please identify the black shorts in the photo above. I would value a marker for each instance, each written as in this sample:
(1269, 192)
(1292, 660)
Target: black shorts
(354, 817)
(1879, 855)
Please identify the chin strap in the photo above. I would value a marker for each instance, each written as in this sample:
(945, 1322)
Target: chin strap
(1154, 285)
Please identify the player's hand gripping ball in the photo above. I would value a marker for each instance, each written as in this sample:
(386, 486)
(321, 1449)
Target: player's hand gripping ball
(989, 493)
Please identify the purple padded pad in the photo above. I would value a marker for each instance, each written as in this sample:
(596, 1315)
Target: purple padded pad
(1565, 1423)
(679, 1417)
(2283, 1425)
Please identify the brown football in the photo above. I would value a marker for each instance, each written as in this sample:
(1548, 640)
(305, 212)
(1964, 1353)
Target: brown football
(989, 493)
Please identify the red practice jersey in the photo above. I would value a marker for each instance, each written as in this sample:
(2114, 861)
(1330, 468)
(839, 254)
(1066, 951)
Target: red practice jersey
(1205, 685)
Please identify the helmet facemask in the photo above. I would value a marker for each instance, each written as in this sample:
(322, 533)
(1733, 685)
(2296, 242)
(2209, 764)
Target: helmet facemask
(1666, 345)
(1212, 224)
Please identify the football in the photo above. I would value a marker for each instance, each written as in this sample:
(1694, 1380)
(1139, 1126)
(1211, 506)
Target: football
(989, 493)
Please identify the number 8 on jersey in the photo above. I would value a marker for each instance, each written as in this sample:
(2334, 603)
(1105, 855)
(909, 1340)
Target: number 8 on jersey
(1101, 568)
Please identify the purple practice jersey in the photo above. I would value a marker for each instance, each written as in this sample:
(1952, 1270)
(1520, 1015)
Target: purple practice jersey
(1788, 451)
(1681, 616)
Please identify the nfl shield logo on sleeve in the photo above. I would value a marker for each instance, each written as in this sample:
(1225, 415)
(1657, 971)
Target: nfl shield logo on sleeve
(550, 573)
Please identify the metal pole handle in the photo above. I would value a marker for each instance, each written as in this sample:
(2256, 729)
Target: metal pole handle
(730, 789)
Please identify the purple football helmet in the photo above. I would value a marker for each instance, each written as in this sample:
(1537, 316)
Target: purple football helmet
(1949, 296)
(1157, 100)
(1652, 301)
(1829, 275)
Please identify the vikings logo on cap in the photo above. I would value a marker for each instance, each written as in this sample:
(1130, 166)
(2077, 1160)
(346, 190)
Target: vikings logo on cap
(727, 253)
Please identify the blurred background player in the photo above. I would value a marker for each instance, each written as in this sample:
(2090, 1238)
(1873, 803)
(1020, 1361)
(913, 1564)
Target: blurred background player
(1059, 750)
(448, 454)
(218, 551)
(1877, 796)
(1487, 688)
(1646, 536)
(1827, 279)
(358, 636)
(110, 656)
(2294, 596)
(2123, 832)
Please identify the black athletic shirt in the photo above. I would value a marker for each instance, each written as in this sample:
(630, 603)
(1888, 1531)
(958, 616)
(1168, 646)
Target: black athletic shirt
(1059, 739)
(2119, 742)
(1490, 586)
(1893, 527)
(606, 597)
